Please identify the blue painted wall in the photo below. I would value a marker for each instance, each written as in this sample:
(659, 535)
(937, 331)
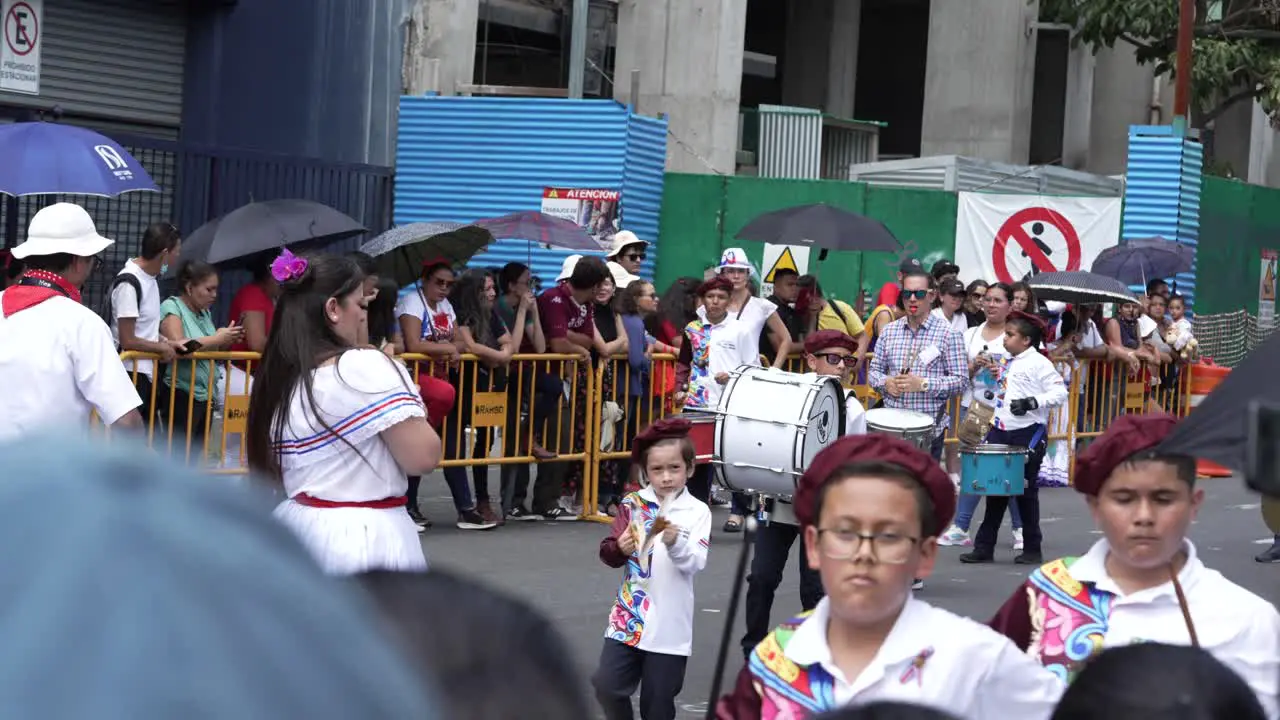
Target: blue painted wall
(464, 159)
(1162, 191)
(310, 78)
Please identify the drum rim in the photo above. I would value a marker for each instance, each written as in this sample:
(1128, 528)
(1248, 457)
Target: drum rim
(993, 449)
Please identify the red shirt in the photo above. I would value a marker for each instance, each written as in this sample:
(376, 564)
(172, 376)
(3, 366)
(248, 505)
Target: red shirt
(560, 314)
(251, 298)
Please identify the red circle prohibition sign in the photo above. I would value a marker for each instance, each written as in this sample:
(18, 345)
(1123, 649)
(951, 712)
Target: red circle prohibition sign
(29, 38)
(1013, 229)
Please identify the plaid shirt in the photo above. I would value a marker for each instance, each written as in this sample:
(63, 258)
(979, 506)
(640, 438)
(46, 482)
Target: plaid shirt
(895, 352)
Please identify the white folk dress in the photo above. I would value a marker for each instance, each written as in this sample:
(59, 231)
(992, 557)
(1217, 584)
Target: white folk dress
(358, 397)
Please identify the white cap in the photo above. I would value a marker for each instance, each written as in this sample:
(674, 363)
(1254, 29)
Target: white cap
(62, 228)
(623, 238)
(734, 258)
(621, 278)
(566, 269)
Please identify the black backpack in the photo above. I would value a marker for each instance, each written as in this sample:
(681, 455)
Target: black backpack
(108, 311)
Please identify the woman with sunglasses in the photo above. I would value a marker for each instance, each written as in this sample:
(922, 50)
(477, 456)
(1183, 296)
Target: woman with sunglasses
(973, 302)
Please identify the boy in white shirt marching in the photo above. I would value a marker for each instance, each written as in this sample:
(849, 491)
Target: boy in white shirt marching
(1143, 582)
(872, 507)
(1030, 386)
(660, 535)
(834, 354)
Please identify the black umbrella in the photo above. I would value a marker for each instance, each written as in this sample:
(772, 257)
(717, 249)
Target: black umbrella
(1138, 261)
(822, 226)
(400, 251)
(262, 226)
(1216, 429)
(1080, 288)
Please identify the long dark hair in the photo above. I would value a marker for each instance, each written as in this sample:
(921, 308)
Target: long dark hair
(678, 306)
(509, 274)
(465, 299)
(382, 311)
(301, 340)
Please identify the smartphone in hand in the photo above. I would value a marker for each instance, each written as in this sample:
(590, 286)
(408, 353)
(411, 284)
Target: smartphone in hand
(1262, 448)
(191, 346)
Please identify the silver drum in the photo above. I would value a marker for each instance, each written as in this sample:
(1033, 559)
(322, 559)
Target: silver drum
(914, 427)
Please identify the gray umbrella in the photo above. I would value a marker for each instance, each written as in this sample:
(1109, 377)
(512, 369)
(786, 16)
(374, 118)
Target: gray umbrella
(1137, 262)
(1080, 288)
(400, 251)
(269, 225)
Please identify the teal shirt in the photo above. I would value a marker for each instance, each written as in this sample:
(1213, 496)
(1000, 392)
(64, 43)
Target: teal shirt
(194, 325)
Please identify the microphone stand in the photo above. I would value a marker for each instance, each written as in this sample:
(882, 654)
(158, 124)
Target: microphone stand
(726, 635)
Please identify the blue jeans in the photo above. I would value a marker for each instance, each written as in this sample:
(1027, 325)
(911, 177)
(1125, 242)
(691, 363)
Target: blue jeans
(969, 504)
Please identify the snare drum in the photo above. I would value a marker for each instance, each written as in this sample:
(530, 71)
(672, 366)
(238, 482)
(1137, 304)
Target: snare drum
(993, 470)
(703, 435)
(771, 424)
(914, 427)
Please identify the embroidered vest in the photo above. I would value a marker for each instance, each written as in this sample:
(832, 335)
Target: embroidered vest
(788, 690)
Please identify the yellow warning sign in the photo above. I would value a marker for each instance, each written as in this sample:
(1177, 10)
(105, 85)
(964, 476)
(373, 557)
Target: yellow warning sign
(785, 261)
(1269, 281)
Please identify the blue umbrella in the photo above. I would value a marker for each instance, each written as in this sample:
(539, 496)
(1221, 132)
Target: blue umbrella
(1137, 262)
(43, 158)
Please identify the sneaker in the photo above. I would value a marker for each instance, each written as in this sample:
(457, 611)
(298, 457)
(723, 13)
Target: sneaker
(488, 513)
(977, 557)
(419, 519)
(519, 513)
(955, 536)
(559, 513)
(472, 520)
(917, 584)
(1017, 538)
(1028, 558)
(1270, 555)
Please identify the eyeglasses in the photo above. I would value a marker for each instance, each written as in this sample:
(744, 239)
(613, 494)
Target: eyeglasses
(917, 294)
(888, 548)
(836, 359)
(639, 257)
(443, 284)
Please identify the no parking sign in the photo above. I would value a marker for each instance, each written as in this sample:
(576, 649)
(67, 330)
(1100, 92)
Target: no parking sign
(1011, 237)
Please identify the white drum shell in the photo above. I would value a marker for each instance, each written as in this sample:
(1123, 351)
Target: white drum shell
(771, 424)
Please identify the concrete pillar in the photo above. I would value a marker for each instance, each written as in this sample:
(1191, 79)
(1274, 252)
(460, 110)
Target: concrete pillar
(689, 54)
(1078, 108)
(1123, 92)
(979, 75)
(440, 48)
(820, 57)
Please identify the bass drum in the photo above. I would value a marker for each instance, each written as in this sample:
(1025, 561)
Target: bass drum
(771, 424)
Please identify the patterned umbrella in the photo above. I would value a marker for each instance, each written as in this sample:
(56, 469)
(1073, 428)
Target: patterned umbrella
(541, 228)
(1080, 288)
(400, 251)
(1137, 262)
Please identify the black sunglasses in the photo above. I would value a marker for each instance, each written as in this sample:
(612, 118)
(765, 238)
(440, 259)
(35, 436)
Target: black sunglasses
(635, 256)
(918, 294)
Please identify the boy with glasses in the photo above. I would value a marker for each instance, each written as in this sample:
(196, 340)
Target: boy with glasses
(871, 508)
(829, 353)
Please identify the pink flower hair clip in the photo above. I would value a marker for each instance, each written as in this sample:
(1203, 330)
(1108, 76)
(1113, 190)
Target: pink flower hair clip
(288, 267)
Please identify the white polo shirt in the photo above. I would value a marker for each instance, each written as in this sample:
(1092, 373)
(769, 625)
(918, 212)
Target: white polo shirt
(1031, 375)
(57, 364)
(1237, 627)
(937, 659)
(145, 311)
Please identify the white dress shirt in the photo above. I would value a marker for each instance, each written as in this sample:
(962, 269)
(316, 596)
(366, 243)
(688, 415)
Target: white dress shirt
(936, 659)
(1030, 375)
(1237, 627)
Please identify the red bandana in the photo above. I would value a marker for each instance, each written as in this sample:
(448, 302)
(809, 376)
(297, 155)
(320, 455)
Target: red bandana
(33, 288)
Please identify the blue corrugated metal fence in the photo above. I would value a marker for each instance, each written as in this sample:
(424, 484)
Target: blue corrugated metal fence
(467, 158)
(1162, 191)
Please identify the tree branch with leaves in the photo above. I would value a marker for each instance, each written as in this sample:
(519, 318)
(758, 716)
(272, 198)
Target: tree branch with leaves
(1237, 44)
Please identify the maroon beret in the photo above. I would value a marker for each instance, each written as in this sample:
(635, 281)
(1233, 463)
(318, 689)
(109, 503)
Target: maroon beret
(1127, 436)
(876, 448)
(717, 282)
(671, 428)
(827, 339)
(1035, 320)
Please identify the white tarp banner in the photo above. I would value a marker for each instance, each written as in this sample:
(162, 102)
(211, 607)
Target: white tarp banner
(1007, 237)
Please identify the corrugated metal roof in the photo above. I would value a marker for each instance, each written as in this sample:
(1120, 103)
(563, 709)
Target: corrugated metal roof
(467, 158)
(1162, 196)
(790, 142)
(956, 173)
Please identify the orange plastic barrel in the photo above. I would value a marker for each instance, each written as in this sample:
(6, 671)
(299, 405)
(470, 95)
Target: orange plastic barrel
(1205, 376)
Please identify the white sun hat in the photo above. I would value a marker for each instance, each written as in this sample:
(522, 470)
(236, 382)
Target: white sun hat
(62, 228)
(566, 269)
(622, 239)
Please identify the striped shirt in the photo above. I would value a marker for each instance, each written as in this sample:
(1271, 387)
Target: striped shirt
(935, 352)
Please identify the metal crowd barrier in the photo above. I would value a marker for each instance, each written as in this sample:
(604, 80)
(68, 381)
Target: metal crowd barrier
(493, 421)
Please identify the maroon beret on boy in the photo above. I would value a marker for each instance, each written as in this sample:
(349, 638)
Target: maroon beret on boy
(1127, 436)
(717, 282)
(672, 428)
(876, 448)
(828, 339)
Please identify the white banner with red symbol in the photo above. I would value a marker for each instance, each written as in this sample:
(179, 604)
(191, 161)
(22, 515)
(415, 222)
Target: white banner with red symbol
(1010, 237)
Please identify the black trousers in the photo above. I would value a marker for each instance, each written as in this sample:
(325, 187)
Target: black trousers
(624, 668)
(768, 563)
(1028, 502)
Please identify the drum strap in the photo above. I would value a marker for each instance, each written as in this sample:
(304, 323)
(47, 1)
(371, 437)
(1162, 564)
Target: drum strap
(1185, 607)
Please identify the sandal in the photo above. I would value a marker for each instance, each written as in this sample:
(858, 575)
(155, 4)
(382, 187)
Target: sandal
(732, 526)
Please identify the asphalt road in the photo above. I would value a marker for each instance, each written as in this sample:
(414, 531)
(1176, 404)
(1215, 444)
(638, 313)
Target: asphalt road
(553, 565)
